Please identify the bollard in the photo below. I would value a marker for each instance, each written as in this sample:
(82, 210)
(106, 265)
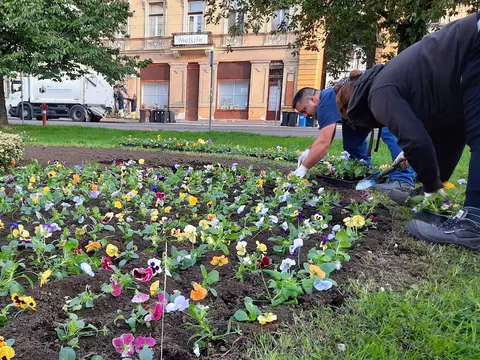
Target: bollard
(44, 108)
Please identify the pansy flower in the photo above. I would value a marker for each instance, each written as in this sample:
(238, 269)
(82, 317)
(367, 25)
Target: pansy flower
(106, 262)
(155, 266)
(286, 265)
(158, 309)
(263, 262)
(198, 293)
(179, 304)
(297, 244)
(241, 248)
(144, 342)
(143, 274)
(219, 260)
(124, 345)
(266, 318)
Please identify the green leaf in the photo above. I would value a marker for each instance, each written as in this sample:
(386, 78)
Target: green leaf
(16, 287)
(145, 354)
(204, 271)
(241, 315)
(67, 353)
(212, 277)
(97, 357)
(109, 228)
(213, 291)
(328, 267)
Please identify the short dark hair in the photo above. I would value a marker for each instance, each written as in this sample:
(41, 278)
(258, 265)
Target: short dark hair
(302, 95)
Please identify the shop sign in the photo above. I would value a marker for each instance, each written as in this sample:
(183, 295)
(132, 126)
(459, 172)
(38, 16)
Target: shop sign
(190, 39)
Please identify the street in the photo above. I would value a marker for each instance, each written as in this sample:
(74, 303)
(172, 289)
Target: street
(268, 129)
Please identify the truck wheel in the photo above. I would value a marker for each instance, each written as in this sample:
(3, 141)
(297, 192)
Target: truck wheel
(78, 113)
(27, 111)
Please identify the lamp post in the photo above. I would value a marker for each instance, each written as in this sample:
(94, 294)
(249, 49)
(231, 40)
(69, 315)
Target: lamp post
(210, 60)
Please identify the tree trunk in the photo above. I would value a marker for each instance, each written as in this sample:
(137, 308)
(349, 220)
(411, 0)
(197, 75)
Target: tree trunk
(3, 107)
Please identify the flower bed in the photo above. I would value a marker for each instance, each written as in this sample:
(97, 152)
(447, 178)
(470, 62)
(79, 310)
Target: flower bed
(331, 167)
(103, 261)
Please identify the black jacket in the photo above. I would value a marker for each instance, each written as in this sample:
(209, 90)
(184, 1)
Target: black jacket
(418, 93)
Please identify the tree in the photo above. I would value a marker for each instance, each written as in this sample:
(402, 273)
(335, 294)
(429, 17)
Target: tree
(53, 38)
(342, 24)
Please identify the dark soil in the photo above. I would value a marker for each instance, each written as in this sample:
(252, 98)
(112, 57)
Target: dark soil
(381, 258)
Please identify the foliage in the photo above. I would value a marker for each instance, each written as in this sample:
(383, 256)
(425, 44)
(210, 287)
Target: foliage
(51, 38)
(342, 24)
(11, 150)
(346, 168)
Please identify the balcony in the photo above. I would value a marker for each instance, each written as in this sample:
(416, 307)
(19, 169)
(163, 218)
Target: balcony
(156, 43)
(233, 40)
(279, 39)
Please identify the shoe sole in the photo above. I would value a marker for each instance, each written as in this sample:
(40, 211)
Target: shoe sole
(414, 231)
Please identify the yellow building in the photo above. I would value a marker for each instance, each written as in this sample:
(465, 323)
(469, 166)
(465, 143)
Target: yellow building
(255, 76)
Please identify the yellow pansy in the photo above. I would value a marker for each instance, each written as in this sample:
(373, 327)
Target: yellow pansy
(45, 276)
(192, 200)
(261, 247)
(182, 196)
(154, 287)
(259, 182)
(117, 204)
(448, 185)
(20, 232)
(112, 250)
(358, 220)
(141, 161)
(266, 318)
(32, 179)
(168, 209)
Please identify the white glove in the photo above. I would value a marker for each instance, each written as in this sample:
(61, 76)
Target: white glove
(301, 171)
(440, 192)
(302, 157)
(401, 162)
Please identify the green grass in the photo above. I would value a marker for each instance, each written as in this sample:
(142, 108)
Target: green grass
(438, 318)
(108, 138)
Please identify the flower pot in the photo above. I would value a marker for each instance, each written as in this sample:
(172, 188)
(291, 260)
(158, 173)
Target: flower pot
(431, 217)
(346, 184)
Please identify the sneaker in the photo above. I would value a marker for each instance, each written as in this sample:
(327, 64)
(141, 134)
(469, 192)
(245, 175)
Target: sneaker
(393, 184)
(405, 198)
(460, 230)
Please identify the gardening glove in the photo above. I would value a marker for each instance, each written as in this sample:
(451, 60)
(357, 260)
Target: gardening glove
(440, 192)
(401, 162)
(302, 157)
(301, 171)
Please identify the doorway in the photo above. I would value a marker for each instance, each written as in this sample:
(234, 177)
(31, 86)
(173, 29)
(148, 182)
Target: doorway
(275, 90)
(193, 77)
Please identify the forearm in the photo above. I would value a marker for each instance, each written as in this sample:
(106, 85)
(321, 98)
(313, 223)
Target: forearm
(317, 152)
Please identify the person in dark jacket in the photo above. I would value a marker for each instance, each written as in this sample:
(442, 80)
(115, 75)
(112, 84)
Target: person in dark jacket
(429, 97)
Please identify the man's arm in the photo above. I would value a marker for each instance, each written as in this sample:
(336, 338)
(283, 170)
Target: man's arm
(320, 147)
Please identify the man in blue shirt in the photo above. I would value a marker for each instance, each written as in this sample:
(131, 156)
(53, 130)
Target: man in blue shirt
(322, 104)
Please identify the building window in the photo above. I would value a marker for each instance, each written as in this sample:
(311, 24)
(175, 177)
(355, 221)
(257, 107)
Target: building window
(195, 16)
(232, 95)
(236, 19)
(280, 19)
(155, 94)
(156, 20)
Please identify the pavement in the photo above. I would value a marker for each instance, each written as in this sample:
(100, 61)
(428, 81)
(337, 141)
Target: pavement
(264, 128)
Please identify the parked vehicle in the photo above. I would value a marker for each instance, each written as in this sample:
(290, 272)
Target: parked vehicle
(87, 98)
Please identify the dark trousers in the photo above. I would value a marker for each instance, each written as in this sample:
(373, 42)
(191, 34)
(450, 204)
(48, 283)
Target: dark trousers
(471, 103)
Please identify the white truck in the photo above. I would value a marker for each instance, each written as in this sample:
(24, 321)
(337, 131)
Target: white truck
(87, 98)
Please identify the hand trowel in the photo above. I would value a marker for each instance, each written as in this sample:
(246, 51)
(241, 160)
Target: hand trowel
(374, 179)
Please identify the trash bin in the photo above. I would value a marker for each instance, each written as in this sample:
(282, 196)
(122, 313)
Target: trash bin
(292, 118)
(284, 118)
(171, 117)
(153, 115)
(302, 121)
(310, 121)
(161, 116)
(143, 115)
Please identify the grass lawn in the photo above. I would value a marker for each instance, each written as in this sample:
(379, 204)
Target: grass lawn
(438, 318)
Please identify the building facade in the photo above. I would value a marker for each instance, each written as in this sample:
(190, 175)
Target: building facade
(254, 76)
